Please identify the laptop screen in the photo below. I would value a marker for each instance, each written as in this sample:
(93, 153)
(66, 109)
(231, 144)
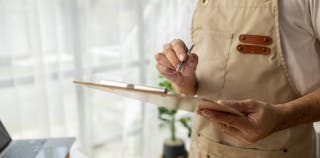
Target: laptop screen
(5, 138)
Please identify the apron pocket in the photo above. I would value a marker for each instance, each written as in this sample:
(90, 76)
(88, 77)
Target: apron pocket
(213, 51)
(213, 149)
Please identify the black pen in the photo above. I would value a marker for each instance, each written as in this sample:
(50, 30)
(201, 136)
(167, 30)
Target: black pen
(180, 65)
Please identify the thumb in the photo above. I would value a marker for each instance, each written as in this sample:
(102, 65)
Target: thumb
(245, 106)
(190, 64)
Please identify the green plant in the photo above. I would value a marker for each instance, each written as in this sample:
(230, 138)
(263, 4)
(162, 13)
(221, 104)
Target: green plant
(169, 116)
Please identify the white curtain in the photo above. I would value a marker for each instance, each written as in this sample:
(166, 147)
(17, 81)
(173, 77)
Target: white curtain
(46, 44)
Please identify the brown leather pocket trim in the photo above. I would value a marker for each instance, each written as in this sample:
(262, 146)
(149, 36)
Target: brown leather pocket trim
(250, 49)
(255, 39)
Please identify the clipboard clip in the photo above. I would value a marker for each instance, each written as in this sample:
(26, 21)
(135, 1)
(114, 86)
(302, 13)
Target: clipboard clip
(130, 86)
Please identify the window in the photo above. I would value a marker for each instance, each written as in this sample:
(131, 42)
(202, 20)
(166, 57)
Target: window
(45, 45)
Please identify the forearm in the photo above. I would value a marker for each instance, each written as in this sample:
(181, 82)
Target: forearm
(303, 110)
(187, 87)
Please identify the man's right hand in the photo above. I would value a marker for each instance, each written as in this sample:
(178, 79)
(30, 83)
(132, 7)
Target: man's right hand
(183, 82)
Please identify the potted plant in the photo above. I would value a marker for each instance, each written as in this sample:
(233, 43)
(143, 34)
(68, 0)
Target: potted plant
(173, 147)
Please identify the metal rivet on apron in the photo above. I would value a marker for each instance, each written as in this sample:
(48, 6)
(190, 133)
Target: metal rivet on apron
(199, 134)
(264, 49)
(242, 37)
(266, 40)
(204, 1)
(240, 48)
(285, 150)
(208, 156)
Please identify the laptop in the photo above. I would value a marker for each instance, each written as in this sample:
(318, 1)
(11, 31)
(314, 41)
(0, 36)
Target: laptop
(33, 148)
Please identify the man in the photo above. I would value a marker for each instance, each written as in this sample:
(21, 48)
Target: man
(261, 57)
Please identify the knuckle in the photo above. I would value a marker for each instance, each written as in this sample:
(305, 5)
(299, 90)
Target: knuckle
(175, 42)
(179, 47)
(157, 56)
(166, 46)
(168, 51)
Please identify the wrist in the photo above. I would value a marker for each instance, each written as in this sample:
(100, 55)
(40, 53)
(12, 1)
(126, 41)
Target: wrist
(188, 86)
(283, 111)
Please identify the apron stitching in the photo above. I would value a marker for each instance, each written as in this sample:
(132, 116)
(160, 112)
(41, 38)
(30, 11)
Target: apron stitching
(193, 31)
(193, 21)
(227, 65)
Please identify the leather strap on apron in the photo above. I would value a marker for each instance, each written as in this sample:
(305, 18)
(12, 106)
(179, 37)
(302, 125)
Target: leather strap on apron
(224, 72)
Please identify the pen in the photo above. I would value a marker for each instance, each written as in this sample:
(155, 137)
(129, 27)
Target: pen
(180, 65)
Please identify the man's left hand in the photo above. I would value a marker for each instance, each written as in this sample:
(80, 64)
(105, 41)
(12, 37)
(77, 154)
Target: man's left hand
(260, 120)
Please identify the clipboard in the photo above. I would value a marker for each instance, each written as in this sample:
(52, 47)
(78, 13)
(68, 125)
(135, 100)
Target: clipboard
(156, 96)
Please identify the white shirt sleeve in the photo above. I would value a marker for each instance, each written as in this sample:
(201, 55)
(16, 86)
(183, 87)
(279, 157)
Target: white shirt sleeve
(315, 16)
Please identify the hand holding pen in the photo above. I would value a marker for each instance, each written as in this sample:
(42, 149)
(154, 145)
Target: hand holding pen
(178, 64)
(181, 64)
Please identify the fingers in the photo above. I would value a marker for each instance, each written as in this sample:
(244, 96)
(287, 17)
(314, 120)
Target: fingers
(191, 64)
(244, 106)
(162, 60)
(227, 119)
(179, 48)
(168, 59)
(170, 74)
(226, 129)
(171, 55)
(165, 70)
(192, 59)
(231, 131)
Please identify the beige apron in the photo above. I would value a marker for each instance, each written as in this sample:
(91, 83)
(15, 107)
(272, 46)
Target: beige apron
(233, 66)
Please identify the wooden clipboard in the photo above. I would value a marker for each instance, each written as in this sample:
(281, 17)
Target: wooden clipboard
(156, 96)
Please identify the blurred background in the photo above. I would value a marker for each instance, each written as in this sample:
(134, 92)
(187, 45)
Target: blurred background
(46, 44)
